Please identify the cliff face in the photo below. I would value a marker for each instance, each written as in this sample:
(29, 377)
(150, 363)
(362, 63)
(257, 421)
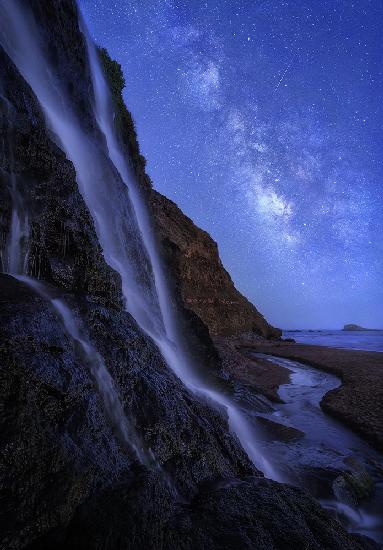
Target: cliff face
(67, 477)
(204, 285)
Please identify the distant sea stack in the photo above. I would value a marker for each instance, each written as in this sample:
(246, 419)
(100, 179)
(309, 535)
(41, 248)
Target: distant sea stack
(352, 327)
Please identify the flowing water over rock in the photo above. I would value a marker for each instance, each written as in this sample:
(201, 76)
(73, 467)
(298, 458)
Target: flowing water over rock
(121, 220)
(15, 262)
(14, 257)
(18, 236)
(96, 364)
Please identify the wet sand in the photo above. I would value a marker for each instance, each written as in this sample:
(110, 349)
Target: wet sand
(358, 402)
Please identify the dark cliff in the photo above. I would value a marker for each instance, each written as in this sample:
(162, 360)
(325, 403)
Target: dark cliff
(204, 284)
(67, 479)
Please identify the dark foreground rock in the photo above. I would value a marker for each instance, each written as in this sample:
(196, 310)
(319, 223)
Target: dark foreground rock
(226, 517)
(358, 402)
(69, 482)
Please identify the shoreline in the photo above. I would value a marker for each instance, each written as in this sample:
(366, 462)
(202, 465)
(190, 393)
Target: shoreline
(358, 401)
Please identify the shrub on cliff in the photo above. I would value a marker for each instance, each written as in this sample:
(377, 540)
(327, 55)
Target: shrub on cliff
(124, 120)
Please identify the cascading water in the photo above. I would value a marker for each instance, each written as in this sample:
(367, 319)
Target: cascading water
(15, 256)
(121, 220)
(14, 263)
(15, 253)
(100, 373)
(16, 260)
(172, 347)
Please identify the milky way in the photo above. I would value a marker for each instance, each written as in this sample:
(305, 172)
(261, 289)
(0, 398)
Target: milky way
(263, 121)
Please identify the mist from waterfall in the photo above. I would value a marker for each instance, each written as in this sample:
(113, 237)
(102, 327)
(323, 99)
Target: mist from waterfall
(121, 220)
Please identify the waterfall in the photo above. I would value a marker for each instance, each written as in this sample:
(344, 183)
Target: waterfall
(16, 258)
(165, 332)
(16, 255)
(181, 364)
(121, 220)
(16, 247)
(100, 373)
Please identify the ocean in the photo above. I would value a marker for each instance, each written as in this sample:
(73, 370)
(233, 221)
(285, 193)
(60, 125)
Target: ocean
(358, 340)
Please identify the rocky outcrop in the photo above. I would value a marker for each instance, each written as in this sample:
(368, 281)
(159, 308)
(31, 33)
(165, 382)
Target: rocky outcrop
(262, 376)
(352, 327)
(67, 478)
(59, 449)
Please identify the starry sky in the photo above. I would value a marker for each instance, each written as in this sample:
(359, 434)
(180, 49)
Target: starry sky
(263, 121)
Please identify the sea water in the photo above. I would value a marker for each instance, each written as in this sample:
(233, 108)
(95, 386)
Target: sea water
(367, 340)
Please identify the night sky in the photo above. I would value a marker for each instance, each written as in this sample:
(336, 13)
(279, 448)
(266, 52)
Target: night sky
(263, 121)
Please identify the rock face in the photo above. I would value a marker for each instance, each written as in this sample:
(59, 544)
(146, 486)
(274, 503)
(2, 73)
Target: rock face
(67, 478)
(204, 285)
(68, 482)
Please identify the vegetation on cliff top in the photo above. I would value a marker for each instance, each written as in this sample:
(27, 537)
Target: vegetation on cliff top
(124, 120)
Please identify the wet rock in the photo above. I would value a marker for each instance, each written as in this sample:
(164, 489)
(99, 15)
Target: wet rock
(69, 482)
(343, 491)
(63, 248)
(238, 360)
(226, 518)
(355, 485)
(278, 431)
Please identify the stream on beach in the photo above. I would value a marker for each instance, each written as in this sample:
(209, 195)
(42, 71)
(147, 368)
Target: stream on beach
(310, 449)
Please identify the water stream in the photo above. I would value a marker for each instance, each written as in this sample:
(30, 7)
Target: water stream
(323, 450)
